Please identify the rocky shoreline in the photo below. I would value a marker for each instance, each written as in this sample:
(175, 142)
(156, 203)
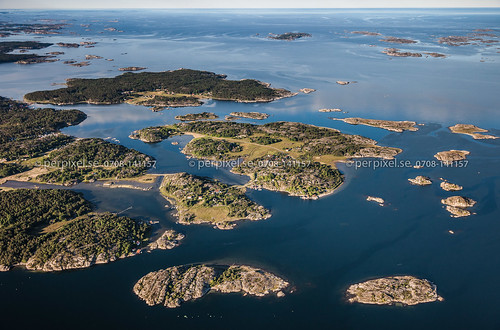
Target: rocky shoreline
(471, 130)
(176, 285)
(393, 290)
(390, 125)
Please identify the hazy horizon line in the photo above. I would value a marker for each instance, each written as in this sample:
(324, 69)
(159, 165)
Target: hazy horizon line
(106, 8)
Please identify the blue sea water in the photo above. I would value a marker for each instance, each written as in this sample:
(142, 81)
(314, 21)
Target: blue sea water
(320, 246)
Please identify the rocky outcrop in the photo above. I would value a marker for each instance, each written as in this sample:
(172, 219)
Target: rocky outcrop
(249, 280)
(132, 68)
(378, 200)
(398, 40)
(421, 181)
(168, 240)
(330, 110)
(173, 286)
(390, 125)
(366, 33)
(448, 186)
(397, 53)
(307, 90)
(448, 157)
(459, 201)
(405, 290)
(377, 152)
(250, 115)
(197, 116)
(457, 205)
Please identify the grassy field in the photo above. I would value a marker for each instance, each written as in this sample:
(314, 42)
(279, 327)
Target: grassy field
(253, 150)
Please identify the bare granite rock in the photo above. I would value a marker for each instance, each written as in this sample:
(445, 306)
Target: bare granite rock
(168, 240)
(450, 156)
(307, 90)
(448, 186)
(173, 286)
(249, 280)
(421, 181)
(390, 125)
(457, 212)
(459, 201)
(457, 205)
(378, 200)
(406, 290)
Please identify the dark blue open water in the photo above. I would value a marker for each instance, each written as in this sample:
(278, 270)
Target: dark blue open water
(320, 246)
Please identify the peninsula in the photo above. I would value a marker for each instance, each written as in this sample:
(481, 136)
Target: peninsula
(183, 87)
(390, 125)
(169, 287)
(393, 290)
(54, 230)
(30, 142)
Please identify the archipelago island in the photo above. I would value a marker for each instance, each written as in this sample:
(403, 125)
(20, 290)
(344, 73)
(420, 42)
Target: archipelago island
(177, 88)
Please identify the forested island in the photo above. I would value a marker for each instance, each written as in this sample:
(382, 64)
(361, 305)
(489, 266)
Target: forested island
(9, 46)
(291, 157)
(202, 200)
(289, 36)
(169, 287)
(28, 133)
(53, 230)
(183, 87)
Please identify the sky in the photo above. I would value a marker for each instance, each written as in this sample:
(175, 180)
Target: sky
(90, 4)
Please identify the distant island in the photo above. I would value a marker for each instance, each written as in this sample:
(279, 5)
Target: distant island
(202, 200)
(9, 46)
(367, 33)
(168, 286)
(132, 68)
(289, 36)
(471, 130)
(393, 290)
(250, 115)
(390, 125)
(398, 40)
(197, 116)
(183, 87)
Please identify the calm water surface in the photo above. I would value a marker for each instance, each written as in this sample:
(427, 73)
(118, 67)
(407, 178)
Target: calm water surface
(320, 246)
